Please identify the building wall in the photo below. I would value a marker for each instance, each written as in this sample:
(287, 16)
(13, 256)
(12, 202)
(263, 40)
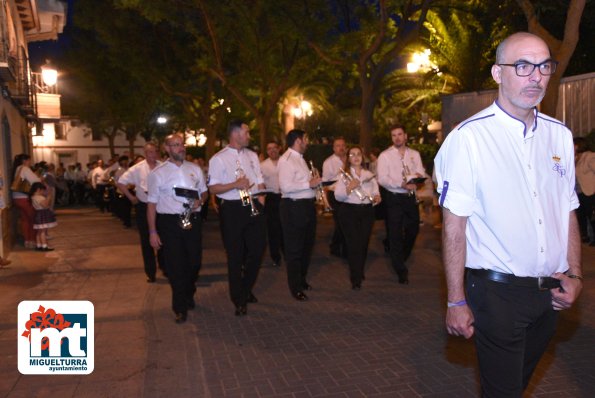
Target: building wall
(74, 143)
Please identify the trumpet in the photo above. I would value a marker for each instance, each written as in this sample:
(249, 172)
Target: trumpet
(320, 193)
(245, 194)
(185, 222)
(359, 190)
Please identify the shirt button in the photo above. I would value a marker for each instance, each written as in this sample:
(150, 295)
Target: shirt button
(542, 250)
(540, 221)
(529, 166)
(534, 193)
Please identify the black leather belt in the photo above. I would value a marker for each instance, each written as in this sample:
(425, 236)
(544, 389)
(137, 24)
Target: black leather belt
(541, 283)
(299, 200)
(406, 194)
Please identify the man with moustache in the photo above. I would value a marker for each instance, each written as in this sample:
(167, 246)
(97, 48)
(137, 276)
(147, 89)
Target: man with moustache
(506, 182)
(298, 212)
(137, 176)
(182, 248)
(232, 169)
(270, 174)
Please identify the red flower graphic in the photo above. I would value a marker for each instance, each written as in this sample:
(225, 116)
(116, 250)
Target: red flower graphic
(43, 319)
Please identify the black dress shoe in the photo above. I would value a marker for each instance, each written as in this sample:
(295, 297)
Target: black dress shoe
(300, 296)
(356, 286)
(403, 277)
(241, 310)
(151, 279)
(181, 317)
(251, 299)
(306, 286)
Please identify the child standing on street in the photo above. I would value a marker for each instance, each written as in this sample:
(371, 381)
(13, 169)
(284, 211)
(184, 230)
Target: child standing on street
(44, 216)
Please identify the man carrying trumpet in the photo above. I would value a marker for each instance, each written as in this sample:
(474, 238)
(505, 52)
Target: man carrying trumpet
(298, 212)
(235, 177)
(182, 246)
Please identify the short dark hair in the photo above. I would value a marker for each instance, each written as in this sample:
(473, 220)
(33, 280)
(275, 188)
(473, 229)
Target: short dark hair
(234, 124)
(397, 126)
(293, 135)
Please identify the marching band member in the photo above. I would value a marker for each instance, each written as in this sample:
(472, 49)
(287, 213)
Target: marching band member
(298, 212)
(137, 175)
(235, 177)
(270, 173)
(330, 174)
(178, 228)
(357, 189)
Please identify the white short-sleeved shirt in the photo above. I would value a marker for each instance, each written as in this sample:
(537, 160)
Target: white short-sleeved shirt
(137, 175)
(367, 182)
(294, 176)
(223, 167)
(25, 173)
(515, 185)
(330, 170)
(168, 175)
(390, 168)
(270, 175)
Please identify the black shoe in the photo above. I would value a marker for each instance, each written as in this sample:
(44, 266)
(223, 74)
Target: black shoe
(181, 317)
(403, 277)
(306, 286)
(276, 264)
(191, 304)
(151, 279)
(251, 299)
(356, 286)
(241, 310)
(300, 296)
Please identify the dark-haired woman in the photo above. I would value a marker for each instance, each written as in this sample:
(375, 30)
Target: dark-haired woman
(358, 192)
(22, 170)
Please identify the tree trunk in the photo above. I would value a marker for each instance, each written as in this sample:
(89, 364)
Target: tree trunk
(366, 127)
(562, 50)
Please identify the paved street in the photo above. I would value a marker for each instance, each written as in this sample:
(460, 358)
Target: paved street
(386, 340)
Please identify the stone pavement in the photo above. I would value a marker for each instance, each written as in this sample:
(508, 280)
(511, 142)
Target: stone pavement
(387, 340)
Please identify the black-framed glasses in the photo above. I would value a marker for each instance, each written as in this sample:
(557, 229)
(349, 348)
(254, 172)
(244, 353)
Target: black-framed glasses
(524, 68)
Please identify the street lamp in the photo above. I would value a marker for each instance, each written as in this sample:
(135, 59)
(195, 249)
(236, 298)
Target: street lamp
(49, 74)
(420, 62)
(161, 120)
(303, 110)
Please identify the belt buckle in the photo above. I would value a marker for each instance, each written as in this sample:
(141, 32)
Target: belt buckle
(540, 279)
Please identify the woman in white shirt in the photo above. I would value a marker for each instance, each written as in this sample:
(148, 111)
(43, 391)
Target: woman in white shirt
(358, 192)
(22, 170)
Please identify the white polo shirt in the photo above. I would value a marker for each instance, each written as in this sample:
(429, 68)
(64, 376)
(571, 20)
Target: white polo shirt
(137, 175)
(390, 168)
(168, 175)
(270, 175)
(516, 187)
(330, 170)
(223, 166)
(294, 176)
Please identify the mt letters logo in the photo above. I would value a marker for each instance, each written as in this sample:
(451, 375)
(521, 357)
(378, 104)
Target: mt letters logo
(56, 337)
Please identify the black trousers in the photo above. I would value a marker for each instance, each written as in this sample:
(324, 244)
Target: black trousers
(182, 252)
(584, 215)
(99, 200)
(513, 326)
(145, 243)
(356, 222)
(274, 230)
(244, 238)
(402, 217)
(337, 245)
(299, 232)
(123, 209)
